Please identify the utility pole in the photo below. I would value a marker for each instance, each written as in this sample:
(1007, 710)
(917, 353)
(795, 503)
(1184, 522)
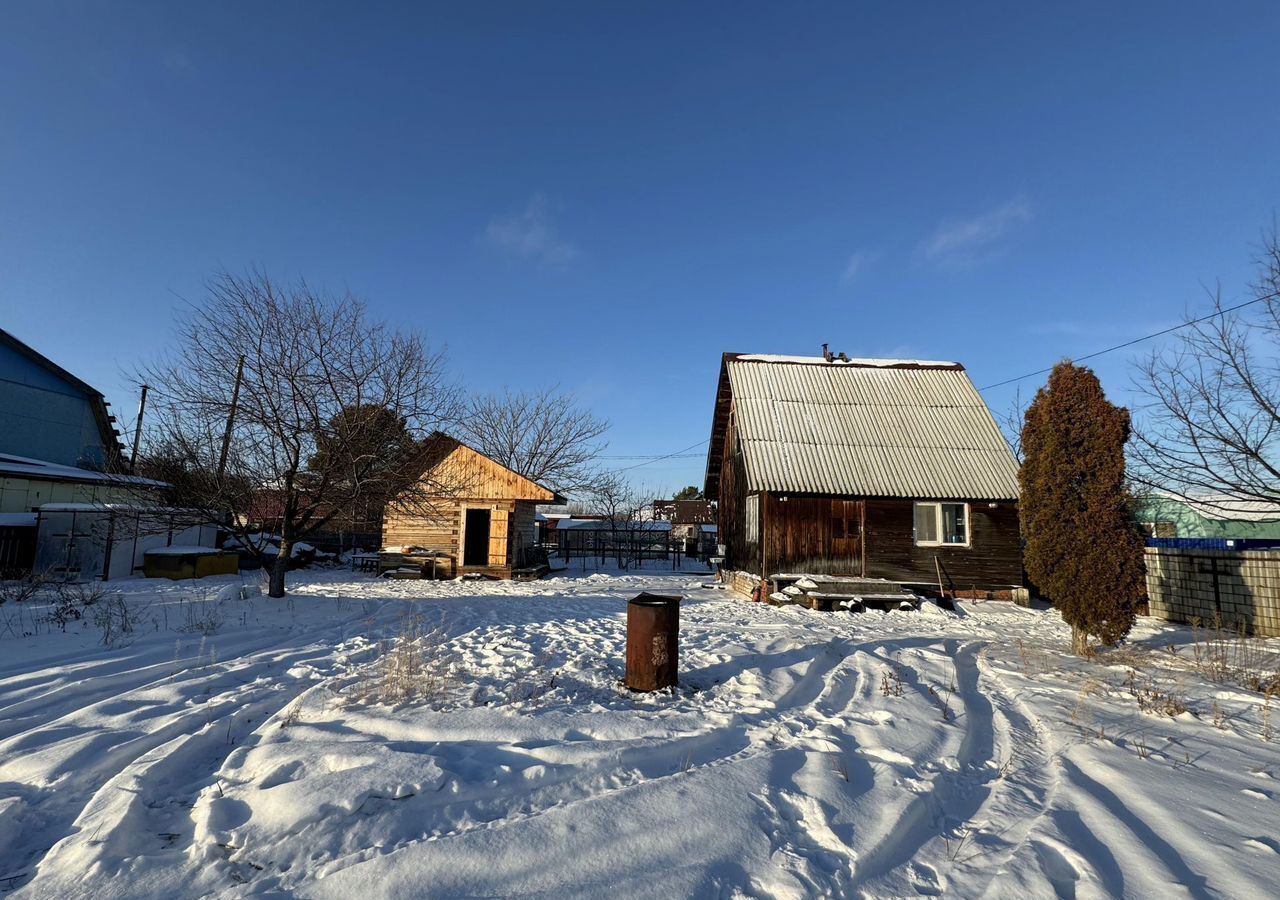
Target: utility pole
(137, 430)
(231, 418)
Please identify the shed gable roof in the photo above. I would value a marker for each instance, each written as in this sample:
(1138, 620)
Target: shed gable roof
(867, 428)
(469, 473)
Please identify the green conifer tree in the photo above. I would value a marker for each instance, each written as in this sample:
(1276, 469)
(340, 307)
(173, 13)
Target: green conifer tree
(1083, 549)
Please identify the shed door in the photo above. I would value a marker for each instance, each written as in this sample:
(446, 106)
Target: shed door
(475, 550)
(846, 529)
(498, 538)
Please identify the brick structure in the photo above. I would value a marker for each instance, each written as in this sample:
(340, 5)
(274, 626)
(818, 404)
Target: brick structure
(1238, 587)
(742, 583)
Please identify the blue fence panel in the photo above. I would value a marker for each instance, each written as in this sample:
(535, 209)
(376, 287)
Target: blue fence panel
(1215, 543)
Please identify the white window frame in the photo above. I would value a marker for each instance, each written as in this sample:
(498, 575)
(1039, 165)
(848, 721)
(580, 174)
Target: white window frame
(751, 524)
(937, 506)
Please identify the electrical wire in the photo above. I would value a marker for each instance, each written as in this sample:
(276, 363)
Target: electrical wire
(1145, 337)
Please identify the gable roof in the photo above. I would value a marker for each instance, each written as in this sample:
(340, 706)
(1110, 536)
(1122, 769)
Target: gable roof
(860, 428)
(110, 437)
(479, 476)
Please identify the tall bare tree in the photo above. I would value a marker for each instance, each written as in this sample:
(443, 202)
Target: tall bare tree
(330, 415)
(1210, 422)
(544, 435)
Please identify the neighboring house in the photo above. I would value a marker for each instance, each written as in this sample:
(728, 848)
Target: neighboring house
(481, 513)
(46, 413)
(880, 468)
(76, 524)
(1168, 515)
(687, 518)
(27, 484)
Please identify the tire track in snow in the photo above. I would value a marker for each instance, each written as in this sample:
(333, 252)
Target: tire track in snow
(85, 750)
(965, 797)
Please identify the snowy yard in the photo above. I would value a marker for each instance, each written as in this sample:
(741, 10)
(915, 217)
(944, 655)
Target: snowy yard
(804, 754)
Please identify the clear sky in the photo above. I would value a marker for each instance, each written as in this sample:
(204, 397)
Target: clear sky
(607, 196)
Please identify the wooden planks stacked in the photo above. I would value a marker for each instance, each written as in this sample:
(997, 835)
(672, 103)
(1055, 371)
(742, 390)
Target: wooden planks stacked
(833, 592)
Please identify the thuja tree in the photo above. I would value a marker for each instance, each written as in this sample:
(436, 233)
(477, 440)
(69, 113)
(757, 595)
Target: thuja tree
(1083, 549)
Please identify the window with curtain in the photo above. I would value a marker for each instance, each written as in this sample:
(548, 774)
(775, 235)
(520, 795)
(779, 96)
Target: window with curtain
(938, 524)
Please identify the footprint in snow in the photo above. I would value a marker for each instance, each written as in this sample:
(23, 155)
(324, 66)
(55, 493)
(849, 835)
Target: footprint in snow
(926, 880)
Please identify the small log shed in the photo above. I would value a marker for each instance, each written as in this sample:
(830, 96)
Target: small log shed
(876, 468)
(471, 507)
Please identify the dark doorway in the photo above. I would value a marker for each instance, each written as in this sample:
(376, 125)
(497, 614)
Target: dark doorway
(475, 551)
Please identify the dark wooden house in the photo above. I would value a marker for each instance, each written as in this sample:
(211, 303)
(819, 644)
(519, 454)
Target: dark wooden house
(472, 508)
(889, 469)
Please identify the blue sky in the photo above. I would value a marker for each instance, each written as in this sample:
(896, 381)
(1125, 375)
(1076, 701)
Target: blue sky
(608, 196)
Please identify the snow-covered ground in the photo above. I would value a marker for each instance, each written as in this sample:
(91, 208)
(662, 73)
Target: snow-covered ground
(804, 753)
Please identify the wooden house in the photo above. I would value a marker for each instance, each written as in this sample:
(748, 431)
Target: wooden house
(890, 469)
(472, 508)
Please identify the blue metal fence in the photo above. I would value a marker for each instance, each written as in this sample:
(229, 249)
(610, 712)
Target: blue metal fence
(1215, 543)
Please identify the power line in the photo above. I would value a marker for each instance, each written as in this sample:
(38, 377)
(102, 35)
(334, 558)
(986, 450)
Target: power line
(667, 456)
(1145, 337)
(684, 454)
(653, 456)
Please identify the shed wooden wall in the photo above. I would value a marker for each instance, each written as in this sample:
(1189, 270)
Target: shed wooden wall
(798, 531)
(438, 529)
(739, 553)
(468, 479)
(994, 557)
(797, 536)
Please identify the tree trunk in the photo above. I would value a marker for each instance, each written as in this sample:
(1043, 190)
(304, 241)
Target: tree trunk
(278, 568)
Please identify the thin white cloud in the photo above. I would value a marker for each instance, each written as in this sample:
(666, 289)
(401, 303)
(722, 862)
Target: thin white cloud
(858, 263)
(530, 234)
(957, 243)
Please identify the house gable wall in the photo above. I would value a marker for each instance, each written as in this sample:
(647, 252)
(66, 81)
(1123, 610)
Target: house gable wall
(45, 417)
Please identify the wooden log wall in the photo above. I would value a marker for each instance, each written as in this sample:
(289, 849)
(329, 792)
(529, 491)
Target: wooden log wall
(812, 534)
(993, 558)
(740, 553)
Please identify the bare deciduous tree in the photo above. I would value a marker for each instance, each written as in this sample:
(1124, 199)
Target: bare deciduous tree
(620, 504)
(1210, 423)
(544, 435)
(332, 411)
(1011, 422)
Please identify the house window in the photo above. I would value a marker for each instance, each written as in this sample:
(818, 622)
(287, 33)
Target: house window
(942, 523)
(753, 519)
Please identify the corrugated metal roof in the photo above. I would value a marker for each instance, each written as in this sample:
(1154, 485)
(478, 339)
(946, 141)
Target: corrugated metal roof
(920, 430)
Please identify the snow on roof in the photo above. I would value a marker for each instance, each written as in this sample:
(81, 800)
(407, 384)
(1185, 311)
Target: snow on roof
(26, 467)
(119, 507)
(606, 525)
(181, 550)
(1225, 508)
(860, 361)
(20, 520)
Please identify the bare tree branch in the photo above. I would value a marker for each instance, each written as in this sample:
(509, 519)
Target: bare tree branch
(333, 414)
(1210, 422)
(544, 435)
